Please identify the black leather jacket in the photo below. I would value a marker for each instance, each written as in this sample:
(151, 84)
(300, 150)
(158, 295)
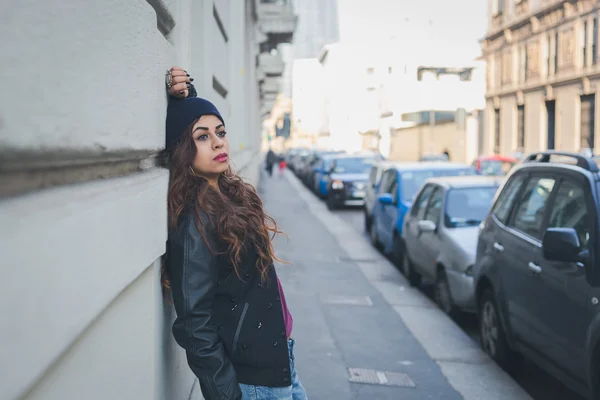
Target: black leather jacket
(232, 329)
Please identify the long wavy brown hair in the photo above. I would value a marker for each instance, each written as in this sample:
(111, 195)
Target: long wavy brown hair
(235, 210)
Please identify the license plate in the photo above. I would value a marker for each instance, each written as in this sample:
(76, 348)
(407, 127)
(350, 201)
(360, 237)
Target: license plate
(359, 194)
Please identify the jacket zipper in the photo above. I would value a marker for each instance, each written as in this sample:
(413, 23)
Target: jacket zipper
(239, 326)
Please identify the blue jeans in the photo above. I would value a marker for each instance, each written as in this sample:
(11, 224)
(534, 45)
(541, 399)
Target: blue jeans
(293, 392)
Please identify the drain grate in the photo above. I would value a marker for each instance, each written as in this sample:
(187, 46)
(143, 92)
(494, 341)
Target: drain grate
(385, 378)
(347, 300)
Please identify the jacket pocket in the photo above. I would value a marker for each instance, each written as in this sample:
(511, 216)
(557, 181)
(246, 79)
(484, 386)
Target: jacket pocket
(236, 337)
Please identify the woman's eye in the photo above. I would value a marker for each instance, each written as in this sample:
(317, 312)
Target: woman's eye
(202, 137)
(221, 134)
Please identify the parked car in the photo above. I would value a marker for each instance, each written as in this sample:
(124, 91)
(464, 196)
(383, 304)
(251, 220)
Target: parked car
(537, 271)
(396, 191)
(440, 237)
(298, 160)
(321, 169)
(347, 179)
(371, 192)
(291, 155)
(495, 165)
(313, 164)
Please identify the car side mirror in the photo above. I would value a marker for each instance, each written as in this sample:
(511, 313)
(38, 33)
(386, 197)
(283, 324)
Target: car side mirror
(562, 244)
(385, 198)
(426, 226)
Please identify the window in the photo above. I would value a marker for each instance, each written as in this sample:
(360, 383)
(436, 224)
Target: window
(390, 184)
(555, 52)
(500, 7)
(497, 131)
(387, 177)
(507, 197)
(523, 64)
(421, 203)
(584, 44)
(595, 42)
(411, 181)
(570, 210)
(353, 165)
(588, 109)
(370, 71)
(549, 55)
(373, 175)
(393, 190)
(434, 210)
(521, 127)
(529, 215)
(468, 207)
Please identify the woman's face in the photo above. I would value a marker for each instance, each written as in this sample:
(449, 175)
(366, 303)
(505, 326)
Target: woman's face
(212, 146)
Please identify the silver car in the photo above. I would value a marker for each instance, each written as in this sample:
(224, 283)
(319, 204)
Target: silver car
(440, 237)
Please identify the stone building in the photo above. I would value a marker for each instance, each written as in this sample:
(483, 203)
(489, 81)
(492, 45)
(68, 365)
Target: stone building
(82, 204)
(542, 75)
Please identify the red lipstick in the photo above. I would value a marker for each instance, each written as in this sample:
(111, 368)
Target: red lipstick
(221, 157)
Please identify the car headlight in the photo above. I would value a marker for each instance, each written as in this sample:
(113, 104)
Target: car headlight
(337, 185)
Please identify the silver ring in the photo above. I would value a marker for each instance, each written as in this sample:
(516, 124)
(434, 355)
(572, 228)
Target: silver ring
(169, 79)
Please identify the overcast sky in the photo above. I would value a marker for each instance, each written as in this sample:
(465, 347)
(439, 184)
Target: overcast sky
(428, 29)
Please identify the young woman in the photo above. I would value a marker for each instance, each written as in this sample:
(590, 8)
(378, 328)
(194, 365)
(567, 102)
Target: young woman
(232, 318)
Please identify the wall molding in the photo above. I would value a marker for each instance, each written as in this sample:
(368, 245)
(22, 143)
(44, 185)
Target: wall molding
(24, 171)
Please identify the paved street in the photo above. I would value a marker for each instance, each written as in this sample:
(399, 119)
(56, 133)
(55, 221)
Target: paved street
(536, 382)
(353, 309)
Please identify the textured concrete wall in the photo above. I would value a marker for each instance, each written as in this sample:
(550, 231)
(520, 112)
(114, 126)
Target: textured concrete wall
(82, 110)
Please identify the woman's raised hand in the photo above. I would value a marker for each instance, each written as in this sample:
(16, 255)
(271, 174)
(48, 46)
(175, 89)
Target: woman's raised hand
(177, 81)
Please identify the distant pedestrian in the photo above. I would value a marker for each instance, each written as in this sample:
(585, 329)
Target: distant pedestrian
(232, 317)
(446, 153)
(282, 165)
(270, 161)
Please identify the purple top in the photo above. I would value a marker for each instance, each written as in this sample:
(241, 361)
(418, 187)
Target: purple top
(287, 316)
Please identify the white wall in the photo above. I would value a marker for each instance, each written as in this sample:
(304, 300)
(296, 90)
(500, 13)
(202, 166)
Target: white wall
(83, 217)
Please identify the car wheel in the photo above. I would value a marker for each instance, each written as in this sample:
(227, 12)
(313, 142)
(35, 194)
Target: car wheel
(373, 235)
(409, 273)
(493, 336)
(443, 296)
(398, 251)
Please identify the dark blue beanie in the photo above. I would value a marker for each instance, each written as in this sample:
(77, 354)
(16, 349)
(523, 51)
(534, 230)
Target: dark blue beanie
(181, 113)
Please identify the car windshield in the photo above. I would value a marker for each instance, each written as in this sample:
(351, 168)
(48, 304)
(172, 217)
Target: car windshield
(413, 180)
(353, 165)
(468, 207)
(496, 167)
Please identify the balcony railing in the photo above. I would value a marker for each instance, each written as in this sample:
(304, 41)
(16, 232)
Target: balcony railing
(277, 20)
(271, 64)
(270, 86)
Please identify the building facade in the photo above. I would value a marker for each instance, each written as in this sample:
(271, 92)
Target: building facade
(542, 75)
(82, 203)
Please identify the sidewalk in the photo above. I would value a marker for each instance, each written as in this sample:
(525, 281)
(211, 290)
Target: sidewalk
(353, 309)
